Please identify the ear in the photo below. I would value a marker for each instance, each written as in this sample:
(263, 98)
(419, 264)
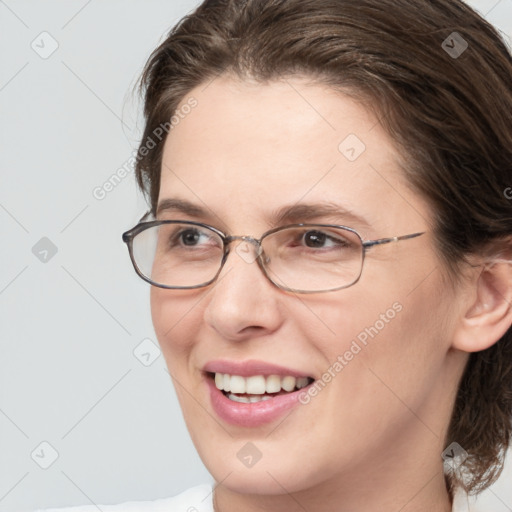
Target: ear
(489, 313)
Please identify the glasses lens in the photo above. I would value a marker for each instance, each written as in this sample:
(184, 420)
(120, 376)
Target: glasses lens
(178, 254)
(313, 258)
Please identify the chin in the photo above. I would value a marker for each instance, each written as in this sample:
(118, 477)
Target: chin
(272, 475)
(252, 481)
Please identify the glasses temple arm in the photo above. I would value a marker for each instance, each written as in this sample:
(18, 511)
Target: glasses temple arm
(381, 241)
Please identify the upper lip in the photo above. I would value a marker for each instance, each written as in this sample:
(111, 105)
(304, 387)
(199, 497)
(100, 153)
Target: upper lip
(251, 367)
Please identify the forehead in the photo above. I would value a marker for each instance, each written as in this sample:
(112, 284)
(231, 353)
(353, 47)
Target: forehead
(246, 148)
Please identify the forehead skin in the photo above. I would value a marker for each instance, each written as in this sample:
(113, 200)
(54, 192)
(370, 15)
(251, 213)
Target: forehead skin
(247, 149)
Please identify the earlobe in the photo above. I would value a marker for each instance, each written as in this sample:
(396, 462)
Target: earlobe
(489, 316)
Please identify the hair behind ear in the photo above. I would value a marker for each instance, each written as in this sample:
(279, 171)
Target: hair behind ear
(482, 418)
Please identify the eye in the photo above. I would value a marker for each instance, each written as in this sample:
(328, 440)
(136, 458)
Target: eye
(321, 240)
(314, 238)
(191, 236)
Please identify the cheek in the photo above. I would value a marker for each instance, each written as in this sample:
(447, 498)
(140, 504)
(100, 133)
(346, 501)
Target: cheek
(395, 334)
(404, 348)
(175, 320)
(176, 323)
(333, 323)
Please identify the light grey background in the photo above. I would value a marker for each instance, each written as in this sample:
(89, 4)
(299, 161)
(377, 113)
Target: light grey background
(69, 326)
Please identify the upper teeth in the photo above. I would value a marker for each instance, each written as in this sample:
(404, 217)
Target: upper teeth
(258, 384)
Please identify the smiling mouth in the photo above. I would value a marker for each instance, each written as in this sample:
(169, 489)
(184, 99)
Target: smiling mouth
(257, 388)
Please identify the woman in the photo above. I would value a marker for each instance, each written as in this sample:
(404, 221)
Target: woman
(329, 247)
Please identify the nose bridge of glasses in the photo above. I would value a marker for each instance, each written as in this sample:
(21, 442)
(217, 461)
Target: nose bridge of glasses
(243, 248)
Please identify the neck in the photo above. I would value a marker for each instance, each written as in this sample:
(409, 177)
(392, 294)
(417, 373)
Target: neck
(410, 495)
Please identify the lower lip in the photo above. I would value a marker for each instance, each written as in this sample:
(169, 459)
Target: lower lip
(251, 414)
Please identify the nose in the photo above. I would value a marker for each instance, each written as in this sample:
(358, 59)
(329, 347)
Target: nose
(243, 303)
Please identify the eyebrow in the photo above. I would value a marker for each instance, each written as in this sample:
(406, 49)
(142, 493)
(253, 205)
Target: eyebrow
(307, 212)
(180, 206)
(290, 214)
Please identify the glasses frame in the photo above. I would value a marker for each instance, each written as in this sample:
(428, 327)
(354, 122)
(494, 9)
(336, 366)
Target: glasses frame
(128, 237)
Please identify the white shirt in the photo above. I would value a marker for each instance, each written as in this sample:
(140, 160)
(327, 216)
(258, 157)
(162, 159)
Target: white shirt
(195, 499)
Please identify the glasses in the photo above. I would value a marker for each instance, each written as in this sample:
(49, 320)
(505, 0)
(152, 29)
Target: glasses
(300, 258)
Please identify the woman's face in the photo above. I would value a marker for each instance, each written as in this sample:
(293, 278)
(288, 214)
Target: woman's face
(379, 350)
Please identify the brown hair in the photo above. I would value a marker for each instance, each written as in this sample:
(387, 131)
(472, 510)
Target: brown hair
(448, 110)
